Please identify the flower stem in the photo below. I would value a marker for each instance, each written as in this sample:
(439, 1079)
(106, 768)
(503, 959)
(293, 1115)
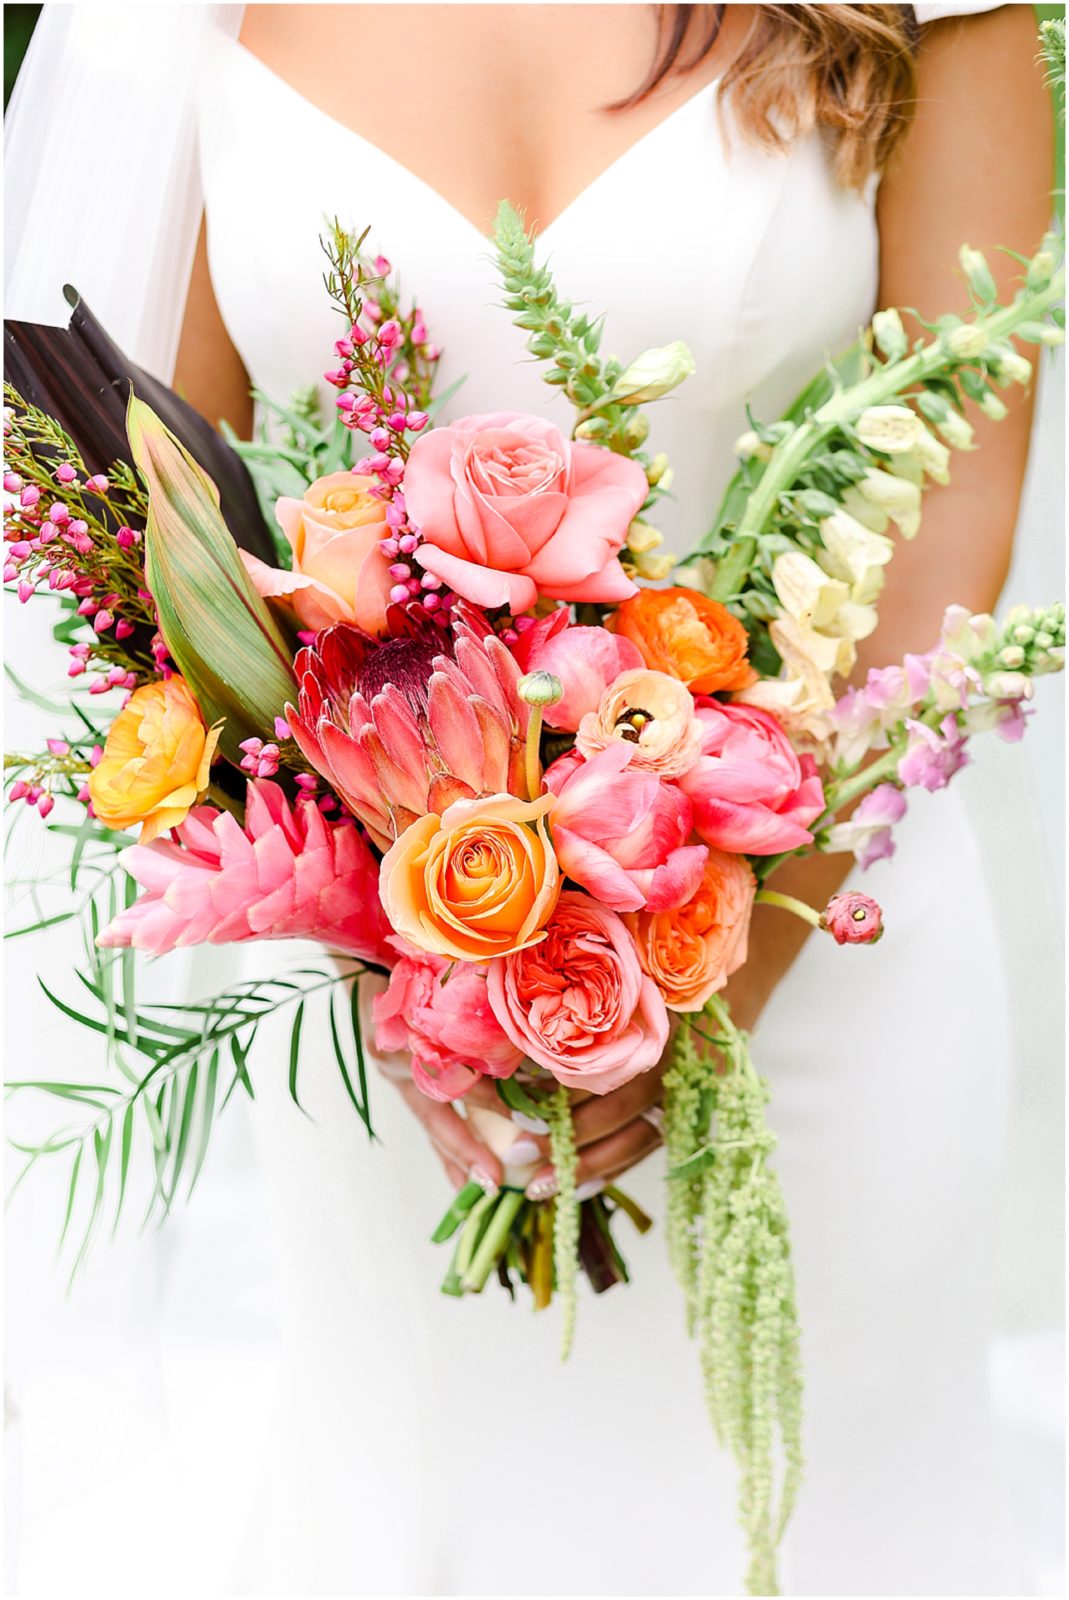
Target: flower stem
(788, 902)
(493, 1241)
(532, 759)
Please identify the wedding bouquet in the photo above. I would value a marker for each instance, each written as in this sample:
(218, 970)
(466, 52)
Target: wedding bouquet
(449, 730)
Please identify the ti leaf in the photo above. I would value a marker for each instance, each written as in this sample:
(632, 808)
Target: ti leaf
(221, 634)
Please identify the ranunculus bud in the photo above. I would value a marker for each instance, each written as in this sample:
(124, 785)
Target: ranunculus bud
(654, 373)
(540, 688)
(966, 342)
(889, 334)
(852, 919)
(892, 429)
(975, 267)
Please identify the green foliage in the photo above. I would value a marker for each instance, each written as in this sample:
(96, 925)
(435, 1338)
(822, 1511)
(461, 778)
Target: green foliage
(221, 634)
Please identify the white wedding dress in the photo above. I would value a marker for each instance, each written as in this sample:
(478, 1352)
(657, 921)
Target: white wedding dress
(426, 1445)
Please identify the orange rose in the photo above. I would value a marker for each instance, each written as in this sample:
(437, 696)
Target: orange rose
(681, 632)
(691, 953)
(339, 572)
(480, 880)
(155, 762)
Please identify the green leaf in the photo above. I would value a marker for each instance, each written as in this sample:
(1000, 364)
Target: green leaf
(295, 1053)
(124, 1162)
(517, 1099)
(31, 696)
(221, 634)
(462, 1203)
(206, 1115)
(694, 1165)
(339, 1056)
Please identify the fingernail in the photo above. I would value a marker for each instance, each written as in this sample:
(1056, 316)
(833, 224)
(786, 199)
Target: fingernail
(530, 1124)
(587, 1191)
(484, 1180)
(523, 1151)
(541, 1189)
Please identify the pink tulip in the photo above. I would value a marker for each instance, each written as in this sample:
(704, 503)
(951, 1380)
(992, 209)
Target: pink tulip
(622, 834)
(585, 660)
(447, 1027)
(752, 793)
(288, 874)
(510, 509)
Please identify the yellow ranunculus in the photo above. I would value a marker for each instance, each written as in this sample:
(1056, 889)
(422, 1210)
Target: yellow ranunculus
(155, 762)
(481, 880)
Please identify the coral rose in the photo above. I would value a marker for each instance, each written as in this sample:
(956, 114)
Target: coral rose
(339, 572)
(155, 762)
(510, 509)
(478, 881)
(752, 794)
(585, 660)
(691, 953)
(681, 632)
(623, 835)
(445, 1023)
(578, 1003)
(651, 713)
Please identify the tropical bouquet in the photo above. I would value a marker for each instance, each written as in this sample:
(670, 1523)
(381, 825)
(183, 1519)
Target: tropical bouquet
(435, 696)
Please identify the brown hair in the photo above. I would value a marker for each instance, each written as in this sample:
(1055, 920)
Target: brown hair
(848, 68)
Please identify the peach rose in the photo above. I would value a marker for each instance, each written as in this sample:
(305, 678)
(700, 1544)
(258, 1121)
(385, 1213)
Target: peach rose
(480, 880)
(155, 762)
(578, 1003)
(339, 572)
(682, 632)
(510, 509)
(691, 953)
(652, 713)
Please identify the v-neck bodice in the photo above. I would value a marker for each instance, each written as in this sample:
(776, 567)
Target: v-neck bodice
(760, 261)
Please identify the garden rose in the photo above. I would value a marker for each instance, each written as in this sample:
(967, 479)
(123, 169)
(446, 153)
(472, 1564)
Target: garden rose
(478, 881)
(751, 793)
(681, 632)
(690, 954)
(339, 572)
(155, 762)
(653, 715)
(623, 834)
(442, 1017)
(510, 509)
(585, 660)
(578, 1003)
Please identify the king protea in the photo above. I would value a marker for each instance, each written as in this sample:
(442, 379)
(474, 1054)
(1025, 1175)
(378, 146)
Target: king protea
(289, 873)
(406, 725)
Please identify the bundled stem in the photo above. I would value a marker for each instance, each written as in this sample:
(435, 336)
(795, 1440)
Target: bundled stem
(558, 1113)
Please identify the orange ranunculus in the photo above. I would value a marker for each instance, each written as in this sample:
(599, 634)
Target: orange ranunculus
(682, 632)
(480, 880)
(691, 953)
(339, 572)
(155, 762)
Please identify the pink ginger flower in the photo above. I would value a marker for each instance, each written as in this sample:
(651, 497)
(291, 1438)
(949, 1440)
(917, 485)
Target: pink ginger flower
(933, 755)
(406, 725)
(287, 874)
(623, 834)
(587, 661)
(752, 793)
(868, 832)
(852, 919)
(440, 1014)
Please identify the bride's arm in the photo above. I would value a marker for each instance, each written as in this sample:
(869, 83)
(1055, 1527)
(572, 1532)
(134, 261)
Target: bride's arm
(208, 371)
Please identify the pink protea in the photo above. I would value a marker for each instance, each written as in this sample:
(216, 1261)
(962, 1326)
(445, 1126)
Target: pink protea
(408, 724)
(290, 873)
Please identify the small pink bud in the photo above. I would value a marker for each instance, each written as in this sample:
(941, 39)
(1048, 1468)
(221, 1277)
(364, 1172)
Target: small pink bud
(407, 544)
(417, 420)
(30, 496)
(307, 781)
(96, 755)
(45, 804)
(395, 515)
(306, 635)
(379, 439)
(83, 794)
(345, 402)
(116, 676)
(401, 571)
(381, 267)
(12, 482)
(47, 532)
(399, 594)
(429, 581)
(357, 334)
(852, 919)
(123, 629)
(390, 333)
(372, 311)
(343, 347)
(389, 548)
(379, 462)
(65, 473)
(432, 351)
(17, 790)
(396, 420)
(11, 572)
(103, 620)
(75, 669)
(282, 728)
(58, 513)
(99, 686)
(58, 747)
(82, 651)
(126, 538)
(97, 484)
(431, 602)
(26, 589)
(253, 745)
(522, 624)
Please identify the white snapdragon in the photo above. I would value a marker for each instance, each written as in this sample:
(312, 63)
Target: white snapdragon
(854, 554)
(805, 590)
(892, 429)
(897, 497)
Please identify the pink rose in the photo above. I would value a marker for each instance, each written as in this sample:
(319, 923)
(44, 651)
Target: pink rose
(444, 1022)
(752, 793)
(586, 660)
(622, 834)
(510, 509)
(339, 572)
(578, 1002)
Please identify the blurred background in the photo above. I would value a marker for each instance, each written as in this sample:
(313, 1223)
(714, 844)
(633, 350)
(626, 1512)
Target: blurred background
(171, 1340)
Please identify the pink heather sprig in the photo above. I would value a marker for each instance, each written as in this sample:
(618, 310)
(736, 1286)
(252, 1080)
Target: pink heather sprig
(63, 767)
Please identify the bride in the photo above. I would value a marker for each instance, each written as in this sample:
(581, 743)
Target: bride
(755, 180)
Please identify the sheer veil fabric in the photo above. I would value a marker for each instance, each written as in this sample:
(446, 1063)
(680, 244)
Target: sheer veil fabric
(410, 1439)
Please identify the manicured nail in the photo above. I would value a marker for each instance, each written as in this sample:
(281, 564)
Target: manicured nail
(587, 1191)
(541, 1189)
(522, 1152)
(530, 1124)
(484, 1180)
